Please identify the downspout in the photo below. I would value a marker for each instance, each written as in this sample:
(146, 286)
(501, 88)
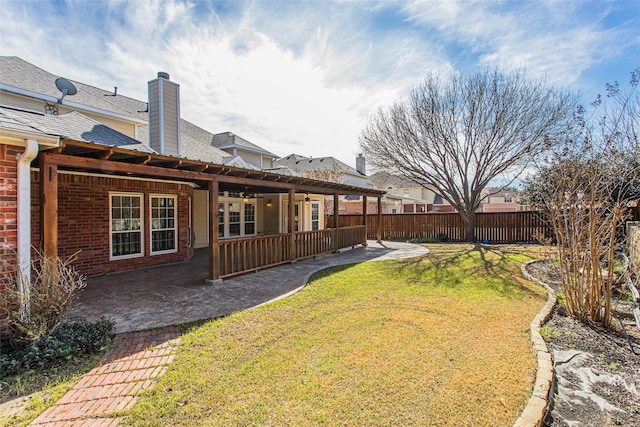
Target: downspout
(24, 225)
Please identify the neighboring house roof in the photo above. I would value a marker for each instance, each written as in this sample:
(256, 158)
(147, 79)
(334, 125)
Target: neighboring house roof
(303, 164)
(499, 192)
(229, 140)
(385, 179)
(282, 170)
(71, 126)
(294, 158)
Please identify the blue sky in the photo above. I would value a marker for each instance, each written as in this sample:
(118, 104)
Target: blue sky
(304, 76)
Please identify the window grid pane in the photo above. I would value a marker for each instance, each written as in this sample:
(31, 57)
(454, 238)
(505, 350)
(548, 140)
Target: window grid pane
(220, 219)
(249, 219)
(234, 219)
(315, 216)
(126, 234)
(163, 234)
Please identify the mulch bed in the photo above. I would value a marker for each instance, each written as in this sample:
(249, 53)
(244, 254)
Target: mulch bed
(597, 370)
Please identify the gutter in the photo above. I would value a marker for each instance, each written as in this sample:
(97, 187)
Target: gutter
(24, 225)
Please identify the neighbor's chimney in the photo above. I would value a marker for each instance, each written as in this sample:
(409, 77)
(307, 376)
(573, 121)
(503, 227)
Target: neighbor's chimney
(361, 165)
(164, 115)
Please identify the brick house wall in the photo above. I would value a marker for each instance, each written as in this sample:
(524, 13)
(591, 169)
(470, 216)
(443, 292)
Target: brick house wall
(8, 214)
(8, 205)
(83, 220)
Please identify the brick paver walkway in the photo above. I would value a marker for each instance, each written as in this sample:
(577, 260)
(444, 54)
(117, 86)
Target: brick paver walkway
(134, 363)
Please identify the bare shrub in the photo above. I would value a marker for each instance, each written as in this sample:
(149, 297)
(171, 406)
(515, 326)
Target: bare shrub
(584, 190)
(49, 292)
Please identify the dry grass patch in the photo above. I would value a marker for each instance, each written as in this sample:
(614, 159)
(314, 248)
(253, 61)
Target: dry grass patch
(439, 340)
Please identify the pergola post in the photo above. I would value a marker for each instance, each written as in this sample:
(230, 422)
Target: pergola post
(336, 221)
(364, 219)
(336, 210)
(48, 207)
(214, 239)
(291, 224)
(379, 227)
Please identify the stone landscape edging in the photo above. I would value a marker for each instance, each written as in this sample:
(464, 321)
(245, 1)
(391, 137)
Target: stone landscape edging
(540, 401)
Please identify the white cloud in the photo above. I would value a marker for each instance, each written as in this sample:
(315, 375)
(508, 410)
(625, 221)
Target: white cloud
(302, 77)
(558, 39)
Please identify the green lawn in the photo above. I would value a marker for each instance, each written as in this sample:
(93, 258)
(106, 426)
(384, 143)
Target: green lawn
(438, 340)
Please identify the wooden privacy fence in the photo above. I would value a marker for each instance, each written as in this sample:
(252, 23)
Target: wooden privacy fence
(499, 227)
(253, 253)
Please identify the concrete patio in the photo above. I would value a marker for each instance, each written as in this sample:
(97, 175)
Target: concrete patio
(174, 294)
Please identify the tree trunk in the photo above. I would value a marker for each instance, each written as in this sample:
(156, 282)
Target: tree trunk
(469, 219)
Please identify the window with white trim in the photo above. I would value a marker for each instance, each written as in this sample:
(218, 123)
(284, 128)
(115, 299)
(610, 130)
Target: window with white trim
(249, 218)
(164, 233)
(315, 216)
(126, 225)
(221, 219)
(234, 218)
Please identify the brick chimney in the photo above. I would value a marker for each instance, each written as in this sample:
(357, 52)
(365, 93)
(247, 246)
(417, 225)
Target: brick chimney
(164, 115)
(361, 165)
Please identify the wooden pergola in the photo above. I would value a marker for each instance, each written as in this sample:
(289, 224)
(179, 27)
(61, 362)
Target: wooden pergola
(81, 156)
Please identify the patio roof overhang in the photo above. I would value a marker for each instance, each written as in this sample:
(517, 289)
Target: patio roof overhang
(83, 156)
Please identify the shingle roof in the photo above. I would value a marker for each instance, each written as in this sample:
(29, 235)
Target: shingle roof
(229, 140)
(282, 170)
(72, 125)
(197, 143)
(21, 74)
(10, 120)
(384, 179)
(303, 164)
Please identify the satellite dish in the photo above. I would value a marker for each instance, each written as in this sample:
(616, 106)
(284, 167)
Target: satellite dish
(66, 87)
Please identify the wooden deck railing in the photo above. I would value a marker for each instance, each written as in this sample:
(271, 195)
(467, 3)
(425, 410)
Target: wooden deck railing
(253, 253)
(310, 243)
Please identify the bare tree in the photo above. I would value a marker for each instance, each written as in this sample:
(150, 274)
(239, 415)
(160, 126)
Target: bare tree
(584, 188)
(456, 136)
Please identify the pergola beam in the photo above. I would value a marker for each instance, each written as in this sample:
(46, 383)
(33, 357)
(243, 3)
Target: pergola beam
(211, 173)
